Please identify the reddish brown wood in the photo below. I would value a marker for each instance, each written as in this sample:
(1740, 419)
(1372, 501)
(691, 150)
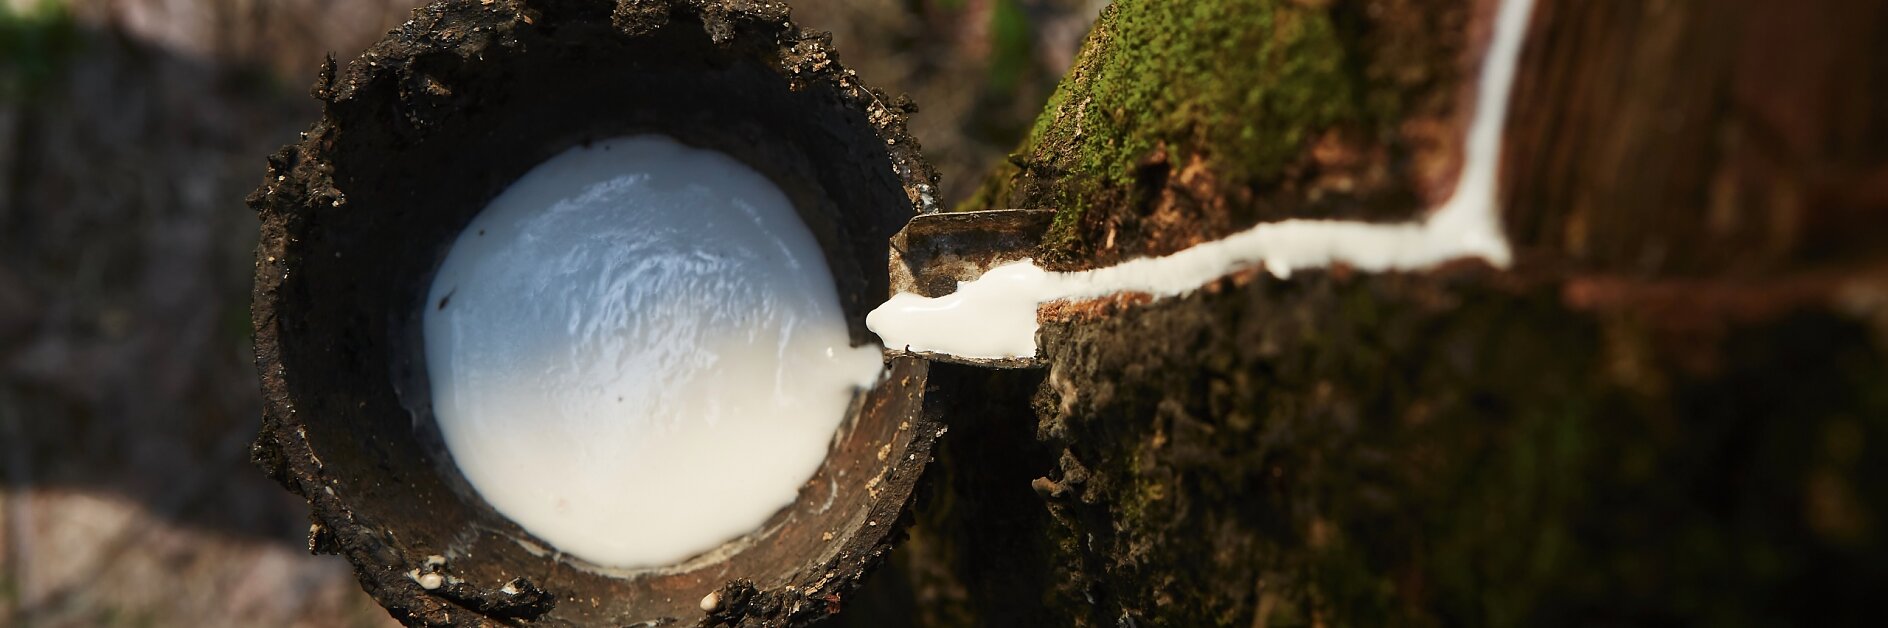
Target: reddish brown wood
(1700, 137)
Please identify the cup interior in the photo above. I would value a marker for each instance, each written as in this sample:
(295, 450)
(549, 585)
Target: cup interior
(418, 140)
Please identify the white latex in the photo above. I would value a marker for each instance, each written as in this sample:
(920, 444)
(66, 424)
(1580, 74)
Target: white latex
(637, 352)
(994, 316)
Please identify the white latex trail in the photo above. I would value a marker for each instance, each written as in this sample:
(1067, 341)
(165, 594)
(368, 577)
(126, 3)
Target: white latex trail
(994, 316)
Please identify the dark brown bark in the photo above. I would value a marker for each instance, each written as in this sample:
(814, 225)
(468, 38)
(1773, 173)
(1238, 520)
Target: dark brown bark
(1670, 410)
(1701, 138)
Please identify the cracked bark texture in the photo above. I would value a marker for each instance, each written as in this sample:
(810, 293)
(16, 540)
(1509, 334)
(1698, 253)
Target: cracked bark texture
(1670, 410)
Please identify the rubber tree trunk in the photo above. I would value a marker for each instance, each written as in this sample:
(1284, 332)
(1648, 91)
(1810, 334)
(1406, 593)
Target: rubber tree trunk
(1672, 408)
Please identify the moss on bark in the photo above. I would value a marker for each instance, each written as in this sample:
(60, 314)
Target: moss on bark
(1581, 439)
(1455, 448)
(1213, 76)
(1410, 449)
(1238, 93)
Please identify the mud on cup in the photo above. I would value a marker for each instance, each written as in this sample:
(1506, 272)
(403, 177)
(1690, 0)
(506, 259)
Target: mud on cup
(560, 315)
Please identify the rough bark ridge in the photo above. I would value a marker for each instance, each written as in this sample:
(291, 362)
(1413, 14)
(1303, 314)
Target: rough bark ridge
(1670, 410)
(1183, 122)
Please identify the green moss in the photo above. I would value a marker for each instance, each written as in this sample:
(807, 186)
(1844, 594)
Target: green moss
(1137, 500)
(34, 43)
(1241, 83)
(1064, 230)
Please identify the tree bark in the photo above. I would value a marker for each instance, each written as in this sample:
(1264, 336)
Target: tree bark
(1671, 409)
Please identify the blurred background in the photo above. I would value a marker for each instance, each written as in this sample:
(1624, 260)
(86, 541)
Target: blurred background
(130, 131)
